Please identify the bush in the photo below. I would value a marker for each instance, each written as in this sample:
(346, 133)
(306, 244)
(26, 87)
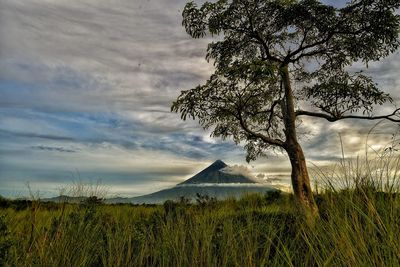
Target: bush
(4, 203)
(5, 240)
(273, 196)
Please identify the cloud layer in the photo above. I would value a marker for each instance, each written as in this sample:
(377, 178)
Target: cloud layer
(86, 88)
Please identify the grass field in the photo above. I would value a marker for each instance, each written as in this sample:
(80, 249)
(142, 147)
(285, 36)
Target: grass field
(359, 225)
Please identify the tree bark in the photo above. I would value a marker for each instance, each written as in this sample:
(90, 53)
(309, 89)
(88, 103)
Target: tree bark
(300, 178)
(301, 181)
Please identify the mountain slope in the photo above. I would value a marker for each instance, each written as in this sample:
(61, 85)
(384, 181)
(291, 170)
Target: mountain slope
(214, 181)
(190, 192)
(215, 174)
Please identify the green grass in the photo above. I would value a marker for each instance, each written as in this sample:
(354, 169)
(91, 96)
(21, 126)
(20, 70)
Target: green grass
(359, 225)
(356, 228)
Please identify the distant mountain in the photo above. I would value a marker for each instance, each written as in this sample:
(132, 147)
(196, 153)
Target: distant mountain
(215, 174)
(214, 181)
(217, 180)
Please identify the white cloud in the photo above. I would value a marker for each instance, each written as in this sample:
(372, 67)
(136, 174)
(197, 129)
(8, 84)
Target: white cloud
(239, 170)
(99, 77)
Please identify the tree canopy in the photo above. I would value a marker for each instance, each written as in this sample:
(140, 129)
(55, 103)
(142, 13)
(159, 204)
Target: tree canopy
(264, 46)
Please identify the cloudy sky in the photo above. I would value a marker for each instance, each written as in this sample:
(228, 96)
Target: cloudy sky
(85, 93)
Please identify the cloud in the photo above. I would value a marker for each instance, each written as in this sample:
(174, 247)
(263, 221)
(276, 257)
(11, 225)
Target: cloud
(56, 149)
(34, 135)
(97, 78)
(261, 176)
(239, 170)
(128, 54)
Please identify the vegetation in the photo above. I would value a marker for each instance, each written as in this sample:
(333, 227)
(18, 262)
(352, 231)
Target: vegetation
(359, 226)
(279, 60)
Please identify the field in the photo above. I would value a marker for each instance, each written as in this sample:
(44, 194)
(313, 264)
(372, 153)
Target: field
(359, 225)
(356, 228)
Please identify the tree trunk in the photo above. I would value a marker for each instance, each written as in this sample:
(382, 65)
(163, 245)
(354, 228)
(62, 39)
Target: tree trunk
(300, 179)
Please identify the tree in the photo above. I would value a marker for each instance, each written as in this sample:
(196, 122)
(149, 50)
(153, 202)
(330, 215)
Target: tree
(278, 60)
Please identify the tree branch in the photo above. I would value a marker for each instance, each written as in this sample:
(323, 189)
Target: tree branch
(253, 33)
(271, 141)
(303, 48)
(332, 118)
(271, 115)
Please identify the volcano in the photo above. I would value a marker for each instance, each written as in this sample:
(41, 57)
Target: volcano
(217, 180)
(217, 173)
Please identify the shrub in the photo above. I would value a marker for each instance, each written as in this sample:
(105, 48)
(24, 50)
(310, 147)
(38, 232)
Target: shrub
(5, 240)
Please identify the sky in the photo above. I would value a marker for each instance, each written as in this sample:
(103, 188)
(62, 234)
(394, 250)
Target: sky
(85, 95)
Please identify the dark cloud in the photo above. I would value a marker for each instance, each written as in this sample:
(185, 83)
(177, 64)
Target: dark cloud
(56, 149)
(35, 135)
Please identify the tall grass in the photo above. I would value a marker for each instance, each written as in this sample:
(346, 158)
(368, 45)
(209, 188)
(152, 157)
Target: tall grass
(359, 226)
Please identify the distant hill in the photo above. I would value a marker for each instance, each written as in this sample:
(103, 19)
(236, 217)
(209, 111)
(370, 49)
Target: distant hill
(190, 192)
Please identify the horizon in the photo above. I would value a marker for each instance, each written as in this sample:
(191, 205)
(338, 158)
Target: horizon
(86, 90)
(80, 188)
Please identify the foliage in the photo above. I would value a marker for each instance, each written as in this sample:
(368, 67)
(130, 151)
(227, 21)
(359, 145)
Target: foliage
(18, 204)
(5, 240)
(92, 201)
(205, 200)
(273, 196)
(249, 97)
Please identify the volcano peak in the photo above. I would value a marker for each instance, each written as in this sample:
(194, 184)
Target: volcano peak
(213, 174)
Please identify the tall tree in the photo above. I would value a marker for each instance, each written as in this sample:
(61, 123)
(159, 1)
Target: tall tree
(278, 60)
